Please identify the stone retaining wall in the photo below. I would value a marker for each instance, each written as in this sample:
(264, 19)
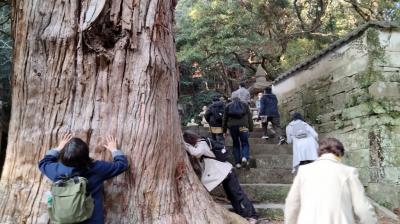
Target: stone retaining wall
(353, 93)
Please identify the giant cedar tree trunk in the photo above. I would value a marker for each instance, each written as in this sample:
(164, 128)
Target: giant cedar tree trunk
(116, 77)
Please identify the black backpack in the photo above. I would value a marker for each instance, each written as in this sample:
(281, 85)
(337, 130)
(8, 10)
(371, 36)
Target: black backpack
(218, 112)
(217, 148)
(236, 109)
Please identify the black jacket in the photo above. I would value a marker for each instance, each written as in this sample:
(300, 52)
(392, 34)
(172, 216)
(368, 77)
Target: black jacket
(209, 116)
(245, 121)
(269, 105)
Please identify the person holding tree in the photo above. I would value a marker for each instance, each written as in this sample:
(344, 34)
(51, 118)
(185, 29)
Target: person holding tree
(214, 170)
(72, 171)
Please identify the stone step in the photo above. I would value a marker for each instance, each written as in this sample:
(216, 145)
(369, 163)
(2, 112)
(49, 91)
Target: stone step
(260, 193)
(257, 132)
(264, 175)
(268, 161)
(269, 211)
(254, 140)
(267, 149)
(274, 161)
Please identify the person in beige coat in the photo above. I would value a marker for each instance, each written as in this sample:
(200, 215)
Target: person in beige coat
(215, 172)
(327, 192)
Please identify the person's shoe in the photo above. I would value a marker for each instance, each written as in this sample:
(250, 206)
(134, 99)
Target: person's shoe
(282, 141)
(265, 137)
(244, 162)
(252, 220)
(238, 166)
(248, 165)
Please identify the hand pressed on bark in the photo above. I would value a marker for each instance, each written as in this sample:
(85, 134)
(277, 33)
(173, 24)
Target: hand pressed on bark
(64, 140)
(111, 143)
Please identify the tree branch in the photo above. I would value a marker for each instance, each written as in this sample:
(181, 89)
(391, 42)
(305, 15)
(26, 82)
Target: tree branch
(242, 62)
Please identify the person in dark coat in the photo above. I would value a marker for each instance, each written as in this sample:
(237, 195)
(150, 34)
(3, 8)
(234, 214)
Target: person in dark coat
(239, 128)
(72, 156)
(214, 116)
(269, 113)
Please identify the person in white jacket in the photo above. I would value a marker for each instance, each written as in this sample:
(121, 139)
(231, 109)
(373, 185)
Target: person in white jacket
(304, 139)
(328, 192)
(215, 172)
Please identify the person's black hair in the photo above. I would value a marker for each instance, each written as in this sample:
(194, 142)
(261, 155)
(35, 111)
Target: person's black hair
(75, 154)
(268, 89)
(297, 116)
(190, 137)
(242, 84)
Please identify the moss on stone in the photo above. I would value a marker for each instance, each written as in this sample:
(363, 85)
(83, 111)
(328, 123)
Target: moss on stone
(376, 53)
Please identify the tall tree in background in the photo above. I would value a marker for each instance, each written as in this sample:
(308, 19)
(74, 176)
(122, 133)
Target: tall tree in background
(224, 36)
(97, 68)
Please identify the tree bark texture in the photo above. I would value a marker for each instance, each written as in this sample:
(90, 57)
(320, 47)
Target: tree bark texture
(117, 76)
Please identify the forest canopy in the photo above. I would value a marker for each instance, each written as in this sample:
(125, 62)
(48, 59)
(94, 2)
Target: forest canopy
(220, 43)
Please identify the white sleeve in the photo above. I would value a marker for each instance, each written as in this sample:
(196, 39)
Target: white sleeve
(194, 151)
(289, 134)
(293, 201)
(248, 96)
(362, 208)
(312, 131)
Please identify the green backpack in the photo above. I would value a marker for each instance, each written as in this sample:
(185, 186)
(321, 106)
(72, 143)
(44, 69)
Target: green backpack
(70, 202)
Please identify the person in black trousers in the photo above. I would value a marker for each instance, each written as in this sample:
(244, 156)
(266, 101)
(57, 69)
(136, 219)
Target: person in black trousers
(269, 113)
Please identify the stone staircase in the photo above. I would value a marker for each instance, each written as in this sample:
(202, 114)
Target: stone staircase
(269, 178)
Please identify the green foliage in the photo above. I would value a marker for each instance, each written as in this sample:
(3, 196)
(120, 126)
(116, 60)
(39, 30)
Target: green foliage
(5, 51)
(227, 40)
(5, 39)
(192, 105)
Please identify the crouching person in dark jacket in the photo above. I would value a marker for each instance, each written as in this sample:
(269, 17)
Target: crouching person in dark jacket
(216, 172)
(71, 157)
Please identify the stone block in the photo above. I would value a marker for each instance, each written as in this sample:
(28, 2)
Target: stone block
(385, 106)
(392, 175)
(379, 120)
(385, 90)
(329, 126)
(390, 136)
(314, 110)
(391, 75)
(261, 175)
(294, 103)
(321, 94)
(340, 101)
(357, 111)
(357, 96)
(354, 140)
(308, 97)
(260, 193)
(357, 158)
(322, 82)
(333, 116)
(345, 84)
(274, 161)
(387, 195)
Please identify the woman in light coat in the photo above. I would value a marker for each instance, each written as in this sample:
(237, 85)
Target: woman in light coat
(215, 172)
(327, 192)
(304, 139)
